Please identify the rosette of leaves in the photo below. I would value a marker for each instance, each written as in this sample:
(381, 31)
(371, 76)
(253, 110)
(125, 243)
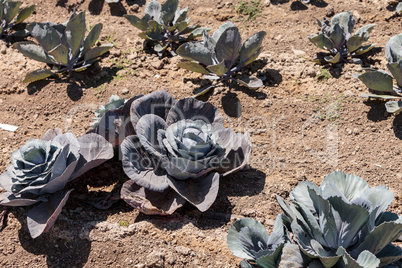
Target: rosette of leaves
(380, 82)
(112, 120)
(62, 46)
(221, 55)
(10, 10)
(178, 152)
(115, 102)
(41, 169)
(248, 239)
(336, 37)
(165, 26)
(343, 222)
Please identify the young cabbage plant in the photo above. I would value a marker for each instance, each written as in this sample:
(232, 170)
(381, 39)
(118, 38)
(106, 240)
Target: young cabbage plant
(10, 10)
(165, 26)
(112, 120)
(336, 37)
(62, 46)
(380, 83)
(248, 239)
(344, 222)
(41, 169)
(222, 55)
(177, 152)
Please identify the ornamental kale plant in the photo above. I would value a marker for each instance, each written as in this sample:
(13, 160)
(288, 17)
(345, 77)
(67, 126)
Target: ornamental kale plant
(10, 10)
(221, 55)
(248, 239)
(337, 38)
(165, 26)
(63, 46)
(343, 223)
(380, 82)
(41, 169)
(177, 152)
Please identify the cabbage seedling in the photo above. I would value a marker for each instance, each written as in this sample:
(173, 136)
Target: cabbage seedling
(344, 222)
(10, 10)
(380, 82)
(336, 37)
(41, 169)
(221, 55)
(63, 46)
(165, 26)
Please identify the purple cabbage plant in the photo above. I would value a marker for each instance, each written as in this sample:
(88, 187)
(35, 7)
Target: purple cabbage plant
(173, 151)
(41, 169)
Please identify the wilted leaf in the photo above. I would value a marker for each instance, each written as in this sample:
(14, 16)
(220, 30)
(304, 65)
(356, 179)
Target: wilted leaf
(97, 51)
(193, 66)
(218, 69)
(60, 54)
(37, 75)
(334, 59)
(394, 106)
(364, 49)
(251, 82)
(375, 96)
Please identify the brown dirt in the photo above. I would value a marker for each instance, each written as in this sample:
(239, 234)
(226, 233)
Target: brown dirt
(302, 128)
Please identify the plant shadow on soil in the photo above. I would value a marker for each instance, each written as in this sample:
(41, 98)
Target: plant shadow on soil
(298, 5)
(379, 113)
(77, 81)
(220, 213)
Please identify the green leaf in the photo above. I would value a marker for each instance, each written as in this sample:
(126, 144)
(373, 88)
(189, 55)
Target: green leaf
(168, 11)
(251, 82)
(384, 97)
(181, 26)
(396, 71)
(25, 13)
(191, 28)
(381, 236)
(92, 37)
(345, 20)
(377, 80)
(1, 29)
(154, 31)
(203, 91)
(217, 34)
(364, 49)
(46, 36)
(394, 107)
(11, 9)
(75, 32)
(228, 46)
(180, 15)
(337, 36)
(354, 43)
(193, 66)
(37, 75)
(197, 32)
(33, 51)
(393, 49)
(237, 226)
(250, 47)
(365, 31)
(1, 12)
(195, 51)
(218, 69)
(97, 51)
(389, 254)
(143, 35)
(159, 48)
(334, 59)
(321, 41)
(399, 8)
(153, 9)
(365, 260)
(137, 22)
(246, 264)
(60, 54)
(270, 260)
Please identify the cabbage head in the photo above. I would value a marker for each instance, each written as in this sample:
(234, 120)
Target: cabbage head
(343, 223)
(178, 152)
(41, 169)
